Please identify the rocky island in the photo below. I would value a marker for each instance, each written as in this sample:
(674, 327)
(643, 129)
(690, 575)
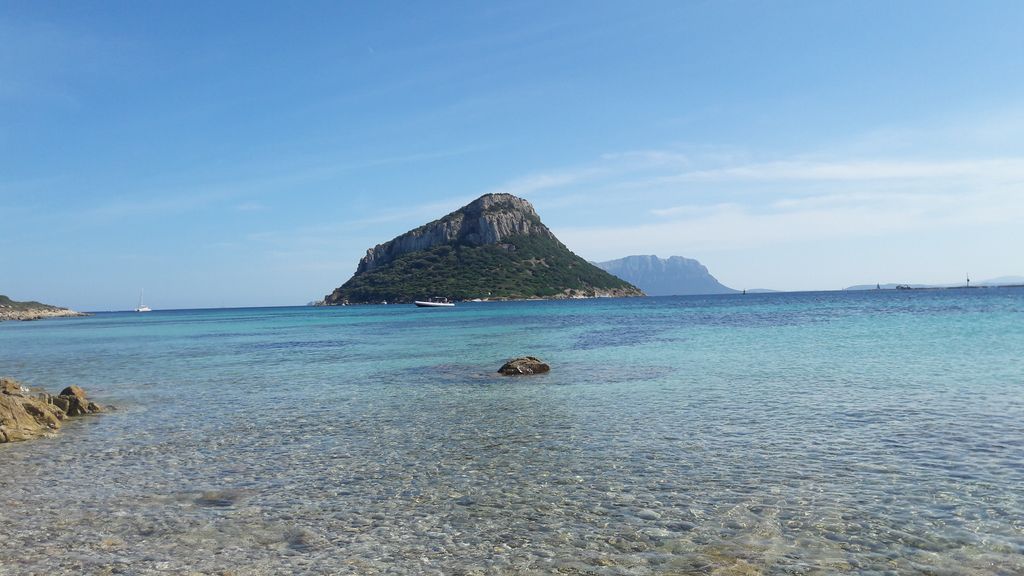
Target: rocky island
(495, 247)
(12, 310)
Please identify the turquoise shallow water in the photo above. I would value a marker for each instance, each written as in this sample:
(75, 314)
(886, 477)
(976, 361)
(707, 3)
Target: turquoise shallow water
(817, 433)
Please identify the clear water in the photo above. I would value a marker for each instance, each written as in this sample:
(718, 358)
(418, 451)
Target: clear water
(819, 433)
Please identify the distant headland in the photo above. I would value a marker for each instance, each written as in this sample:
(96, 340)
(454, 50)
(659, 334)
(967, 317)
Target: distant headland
(673, 276)
(494, 248)
(13, 310)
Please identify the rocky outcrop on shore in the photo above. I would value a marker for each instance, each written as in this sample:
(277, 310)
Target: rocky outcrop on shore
(13, 310)
(31, 413)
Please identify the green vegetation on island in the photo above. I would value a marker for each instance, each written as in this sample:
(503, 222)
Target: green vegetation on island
(521, 267)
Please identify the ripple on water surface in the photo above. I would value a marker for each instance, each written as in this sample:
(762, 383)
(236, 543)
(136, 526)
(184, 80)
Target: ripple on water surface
(861, 434)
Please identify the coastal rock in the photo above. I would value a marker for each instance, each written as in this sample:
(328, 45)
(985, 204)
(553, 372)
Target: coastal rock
(75, 391)
(10, 386)
(76, 401)
(524, 366)
(62, 402)
(23, 416)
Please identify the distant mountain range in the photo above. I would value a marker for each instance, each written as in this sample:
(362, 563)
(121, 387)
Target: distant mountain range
(673, 276)
(992, 282)
(495, 247)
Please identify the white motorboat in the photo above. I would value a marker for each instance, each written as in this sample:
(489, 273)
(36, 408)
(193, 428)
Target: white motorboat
(435, 303)
(142, 307)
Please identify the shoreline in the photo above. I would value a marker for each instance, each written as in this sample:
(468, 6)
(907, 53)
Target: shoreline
(569, 294)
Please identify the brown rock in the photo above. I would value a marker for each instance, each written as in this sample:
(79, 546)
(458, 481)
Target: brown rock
(61, 402)
(75, 391)
(524, 366)
(73, 401)
(75, 406)
(10, 386)
(23, 418)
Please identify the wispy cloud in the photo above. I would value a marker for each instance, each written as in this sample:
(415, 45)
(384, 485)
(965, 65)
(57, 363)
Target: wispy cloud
(528, 185)
(674, 203)
(693, 210)
(803, 170)
(419, 213)
(809, 220)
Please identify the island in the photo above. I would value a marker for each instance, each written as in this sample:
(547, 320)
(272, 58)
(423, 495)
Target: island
(672, 276)
(494, 248)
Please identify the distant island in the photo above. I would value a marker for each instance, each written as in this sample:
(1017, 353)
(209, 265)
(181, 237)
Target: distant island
(13, 310)
(494, 248)
(673, 276)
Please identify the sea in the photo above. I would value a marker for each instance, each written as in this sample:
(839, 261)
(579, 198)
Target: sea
(874, 432)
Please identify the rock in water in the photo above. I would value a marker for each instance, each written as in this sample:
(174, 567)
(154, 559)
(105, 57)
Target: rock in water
(77, 403)
(523, 366)
(24, 416)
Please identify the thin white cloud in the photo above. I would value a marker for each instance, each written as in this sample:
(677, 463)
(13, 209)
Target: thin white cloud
(545, 181)
(665, 202)
(815, 219)
(800, 170)
(420, 213)
(649, 158)
(694, 210)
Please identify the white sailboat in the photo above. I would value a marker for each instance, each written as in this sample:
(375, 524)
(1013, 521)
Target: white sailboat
(142, 307)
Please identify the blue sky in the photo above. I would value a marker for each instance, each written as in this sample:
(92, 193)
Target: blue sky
(232, 154)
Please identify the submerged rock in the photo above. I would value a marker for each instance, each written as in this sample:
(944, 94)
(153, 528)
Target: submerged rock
(524, 366)
(24, 415)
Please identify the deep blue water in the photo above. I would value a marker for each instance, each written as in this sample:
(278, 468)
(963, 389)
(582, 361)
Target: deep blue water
(877, 432)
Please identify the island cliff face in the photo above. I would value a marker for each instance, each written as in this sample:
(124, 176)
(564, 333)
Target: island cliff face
(496, 247)
(489, 219)
(674, 276)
